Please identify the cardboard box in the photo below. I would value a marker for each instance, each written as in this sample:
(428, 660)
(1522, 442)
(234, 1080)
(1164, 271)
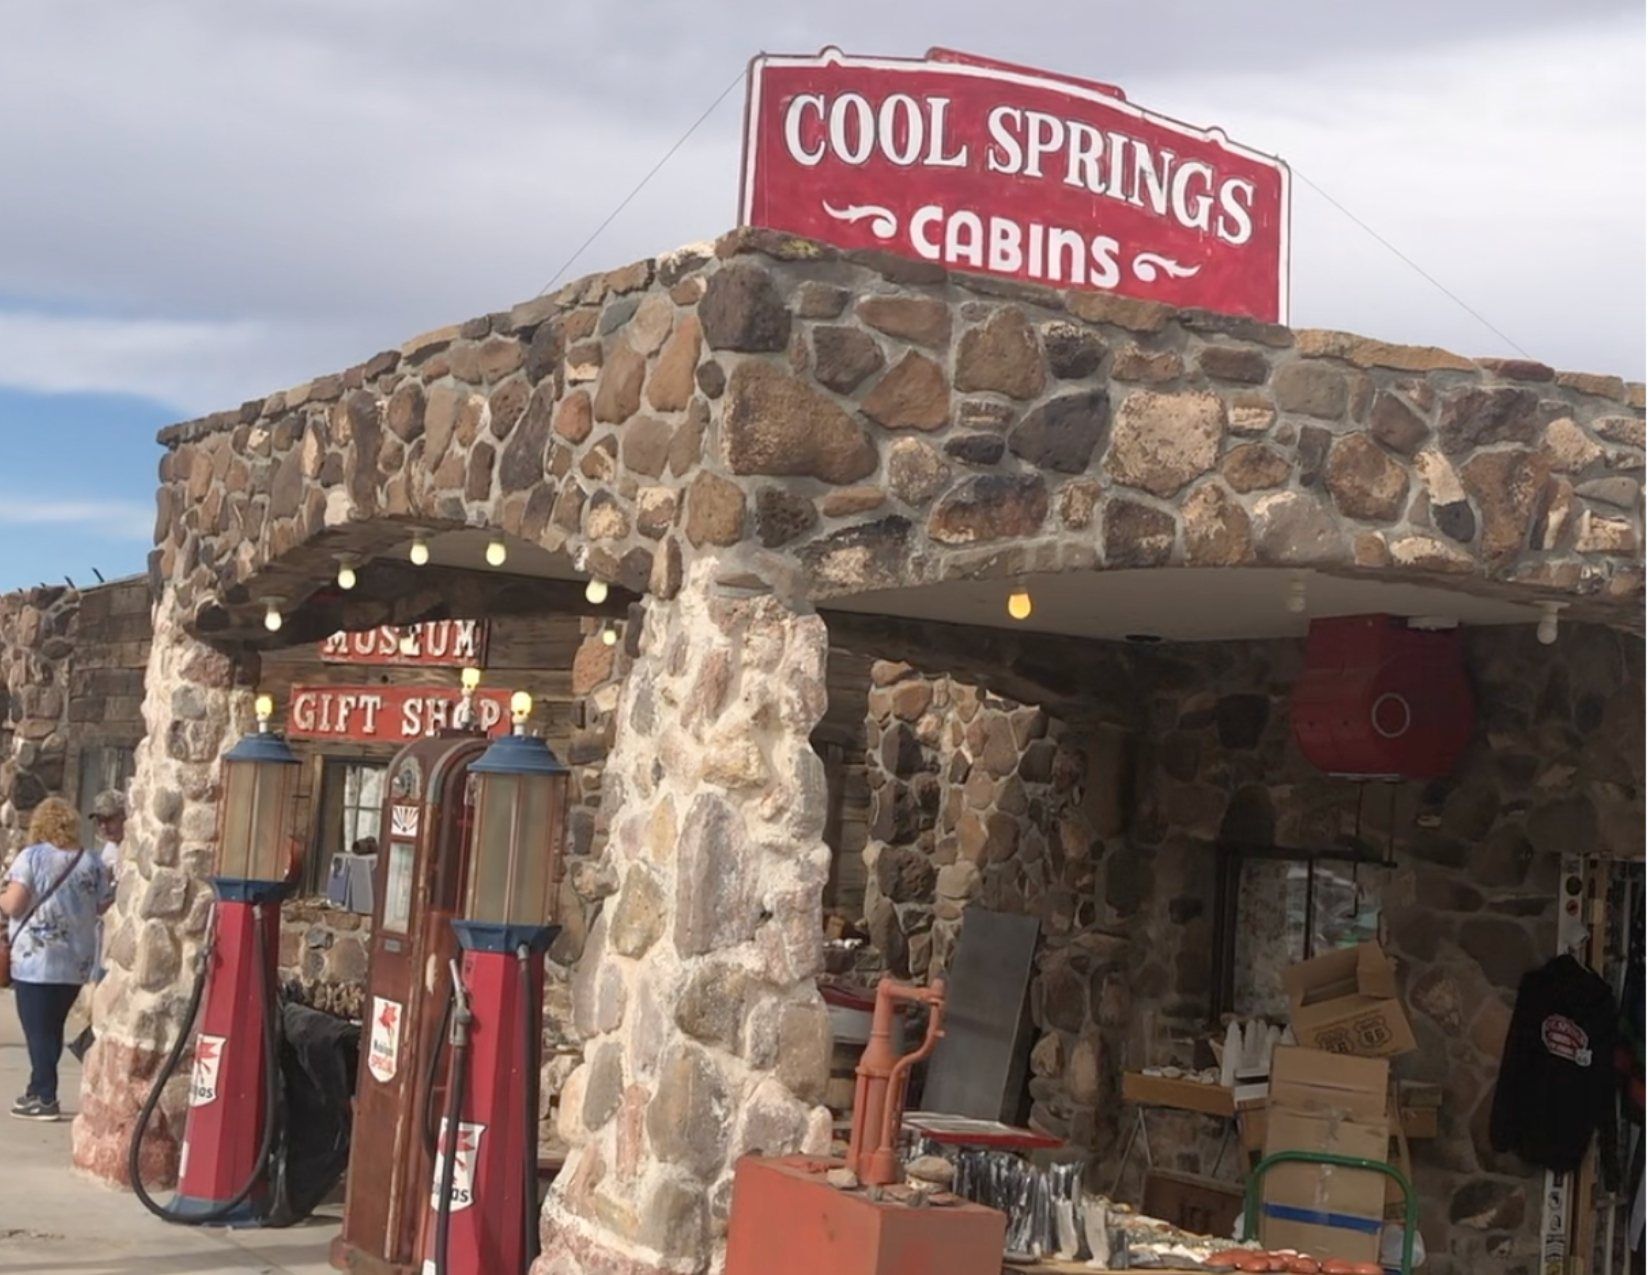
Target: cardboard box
(1334, 1104)
(1203, 1206)
(1186, 1095)
(1347, 1002)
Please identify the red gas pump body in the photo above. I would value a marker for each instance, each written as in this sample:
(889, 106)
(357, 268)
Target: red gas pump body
(421, 868)
(227, 1109)
(1381, 700)
(489, 1192)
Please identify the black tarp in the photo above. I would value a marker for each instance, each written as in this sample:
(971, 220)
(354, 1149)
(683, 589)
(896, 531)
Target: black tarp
(318, 1066)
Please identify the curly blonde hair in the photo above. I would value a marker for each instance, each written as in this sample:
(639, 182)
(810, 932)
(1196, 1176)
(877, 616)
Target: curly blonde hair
(55, 820)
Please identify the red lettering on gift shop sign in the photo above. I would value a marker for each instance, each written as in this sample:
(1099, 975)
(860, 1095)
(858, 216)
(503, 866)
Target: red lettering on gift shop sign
(982, 166)
(436, 644)
(387, 714)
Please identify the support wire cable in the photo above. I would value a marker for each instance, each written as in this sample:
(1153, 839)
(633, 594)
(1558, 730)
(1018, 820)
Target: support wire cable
(637, 189)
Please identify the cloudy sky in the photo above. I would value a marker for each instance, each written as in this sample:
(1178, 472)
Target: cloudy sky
(204, 202)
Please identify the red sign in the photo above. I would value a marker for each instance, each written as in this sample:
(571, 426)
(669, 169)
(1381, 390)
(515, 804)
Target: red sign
(387, 714)
(437, 644)
(983, 166)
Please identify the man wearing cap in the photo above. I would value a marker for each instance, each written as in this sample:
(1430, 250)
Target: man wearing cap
(109, 818)
(108, 815)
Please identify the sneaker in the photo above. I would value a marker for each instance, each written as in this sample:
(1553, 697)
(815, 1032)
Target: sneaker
(35, 1109)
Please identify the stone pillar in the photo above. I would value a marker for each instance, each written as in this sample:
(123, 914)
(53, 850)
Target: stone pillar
(704, 1036)
(193, 709)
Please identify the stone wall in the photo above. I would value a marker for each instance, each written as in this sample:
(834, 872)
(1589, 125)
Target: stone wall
(37, 631)
(705, 1038)
(977, 797)
(1122, 868)
(197, 702)
(71, 663)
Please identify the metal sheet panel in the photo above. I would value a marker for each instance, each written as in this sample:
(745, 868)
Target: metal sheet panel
(978, 1068)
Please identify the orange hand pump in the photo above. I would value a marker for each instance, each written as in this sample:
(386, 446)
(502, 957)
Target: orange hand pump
(879, 1091)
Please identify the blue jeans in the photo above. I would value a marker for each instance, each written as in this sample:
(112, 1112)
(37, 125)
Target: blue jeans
(43, 1008)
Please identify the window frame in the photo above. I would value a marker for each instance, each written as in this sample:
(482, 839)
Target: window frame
(328, 806)
(1230, 860)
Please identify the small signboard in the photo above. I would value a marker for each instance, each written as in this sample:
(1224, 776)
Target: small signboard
(982, 166)
(436, 644)
(387, 714)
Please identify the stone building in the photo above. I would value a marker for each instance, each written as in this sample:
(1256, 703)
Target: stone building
(775, 451)
(73, 662)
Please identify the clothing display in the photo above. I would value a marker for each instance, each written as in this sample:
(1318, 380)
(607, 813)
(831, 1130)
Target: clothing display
(1557, 1085)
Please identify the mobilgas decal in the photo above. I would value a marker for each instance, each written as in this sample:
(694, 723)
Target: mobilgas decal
(384, 1048)
(203, 1081)
(464, 1165)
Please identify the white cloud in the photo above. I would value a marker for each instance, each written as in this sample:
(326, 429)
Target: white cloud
(210, 202)
(196, 366)
(117, 519)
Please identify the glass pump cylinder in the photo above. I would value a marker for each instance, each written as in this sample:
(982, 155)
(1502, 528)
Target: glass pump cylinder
(256, 824)
(521, 803)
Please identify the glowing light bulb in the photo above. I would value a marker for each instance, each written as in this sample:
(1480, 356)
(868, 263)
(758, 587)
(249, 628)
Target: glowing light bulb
(470, 678)
(264, 707)
(496, 552)
(1019, 604)
(419, 554)
(521, 707)
(595, 592)
(346, 574)
(1546, 629)
(272, 617)
(609, 636)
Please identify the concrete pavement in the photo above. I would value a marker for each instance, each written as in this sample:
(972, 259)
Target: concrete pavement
(54, 1221)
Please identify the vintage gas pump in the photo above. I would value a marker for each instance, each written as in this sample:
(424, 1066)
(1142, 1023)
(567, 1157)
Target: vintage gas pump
(234, 1091)
(483, 1210)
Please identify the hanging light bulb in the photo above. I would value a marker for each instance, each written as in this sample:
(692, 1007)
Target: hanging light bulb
(346, 573)
(1295, 601)
(610, 635)
(272, 615)
(470, 678)
(1019, 604)
(496, 552)
(264, 708)
(595, 592)
(1546, 629)
(521, 708)
(419, 554)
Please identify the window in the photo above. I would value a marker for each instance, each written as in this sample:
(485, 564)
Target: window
(1283, 906)
(352, 804)
(101, 766)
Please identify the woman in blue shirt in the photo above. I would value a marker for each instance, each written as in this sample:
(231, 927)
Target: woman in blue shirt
(54, 944)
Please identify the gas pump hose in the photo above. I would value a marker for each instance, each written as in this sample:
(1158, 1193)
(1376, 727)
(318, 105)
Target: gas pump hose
(272, 1092)
(460, 1041)
(530, 1108)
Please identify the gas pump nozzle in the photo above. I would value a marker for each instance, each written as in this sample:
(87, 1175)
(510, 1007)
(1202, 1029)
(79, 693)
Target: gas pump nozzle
(458, 1034)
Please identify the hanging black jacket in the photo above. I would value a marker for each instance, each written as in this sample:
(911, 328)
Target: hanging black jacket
(1556, 1085)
